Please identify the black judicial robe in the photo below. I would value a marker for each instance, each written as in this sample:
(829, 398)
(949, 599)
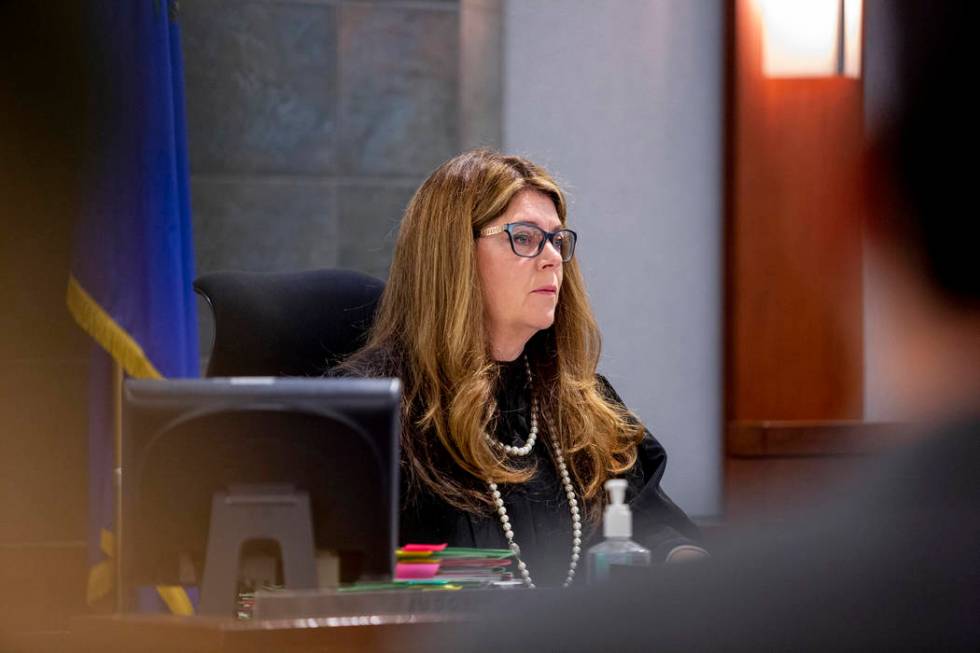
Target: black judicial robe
(538, 510)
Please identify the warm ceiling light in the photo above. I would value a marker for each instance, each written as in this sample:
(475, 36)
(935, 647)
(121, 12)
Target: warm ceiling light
(811, 38)
(851, 41)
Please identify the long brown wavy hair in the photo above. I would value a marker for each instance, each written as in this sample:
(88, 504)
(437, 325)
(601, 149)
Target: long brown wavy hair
(429, 330)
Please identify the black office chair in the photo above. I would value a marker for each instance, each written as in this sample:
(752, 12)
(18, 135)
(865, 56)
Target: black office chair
(287, 324)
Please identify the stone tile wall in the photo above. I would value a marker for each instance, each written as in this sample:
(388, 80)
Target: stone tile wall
(312, 122)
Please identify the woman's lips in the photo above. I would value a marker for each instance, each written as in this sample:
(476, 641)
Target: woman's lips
(547, 290)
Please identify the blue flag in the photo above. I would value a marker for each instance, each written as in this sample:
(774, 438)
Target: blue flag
(133, 261)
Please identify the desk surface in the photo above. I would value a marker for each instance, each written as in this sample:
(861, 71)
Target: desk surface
(164, 633)
(304, 620)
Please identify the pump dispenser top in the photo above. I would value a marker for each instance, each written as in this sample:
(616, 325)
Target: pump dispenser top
(617, 550)
(617, 520)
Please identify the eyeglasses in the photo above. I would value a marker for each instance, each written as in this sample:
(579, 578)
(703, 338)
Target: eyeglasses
(528, 239)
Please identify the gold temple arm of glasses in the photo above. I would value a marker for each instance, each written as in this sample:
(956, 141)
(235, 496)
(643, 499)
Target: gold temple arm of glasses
(489, 231)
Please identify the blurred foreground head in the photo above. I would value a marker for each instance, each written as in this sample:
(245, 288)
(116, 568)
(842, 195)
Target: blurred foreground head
(921, 175)
(894, 565)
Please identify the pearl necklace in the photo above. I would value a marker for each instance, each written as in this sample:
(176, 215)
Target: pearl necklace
(532, 435)
(566, 482)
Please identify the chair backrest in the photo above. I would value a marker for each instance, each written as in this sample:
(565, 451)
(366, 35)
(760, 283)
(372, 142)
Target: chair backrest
(287, 324)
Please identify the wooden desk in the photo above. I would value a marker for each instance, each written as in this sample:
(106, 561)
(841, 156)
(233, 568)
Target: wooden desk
(170, 634)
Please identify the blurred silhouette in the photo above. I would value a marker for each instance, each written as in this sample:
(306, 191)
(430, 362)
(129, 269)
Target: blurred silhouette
(895, 563)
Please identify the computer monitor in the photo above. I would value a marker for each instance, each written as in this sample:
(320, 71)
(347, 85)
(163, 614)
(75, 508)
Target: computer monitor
(186, 441)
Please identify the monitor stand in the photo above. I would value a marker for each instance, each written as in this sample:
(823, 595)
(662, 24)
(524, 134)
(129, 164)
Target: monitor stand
(256, 512)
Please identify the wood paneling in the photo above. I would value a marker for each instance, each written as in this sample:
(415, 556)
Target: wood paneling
(775, 469)
(811, 438)
(794, 297)
(793, 286)
(773, 491)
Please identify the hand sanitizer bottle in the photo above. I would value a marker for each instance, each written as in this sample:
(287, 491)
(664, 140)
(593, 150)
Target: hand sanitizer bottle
(617, 548)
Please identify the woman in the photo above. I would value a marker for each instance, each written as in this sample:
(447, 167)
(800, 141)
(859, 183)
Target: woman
(508, 433)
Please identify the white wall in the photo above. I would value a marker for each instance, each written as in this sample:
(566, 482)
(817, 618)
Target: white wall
(623, 101)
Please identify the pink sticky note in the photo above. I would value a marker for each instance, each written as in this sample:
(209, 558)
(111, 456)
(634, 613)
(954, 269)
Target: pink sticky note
(424, 547)
(416, 570)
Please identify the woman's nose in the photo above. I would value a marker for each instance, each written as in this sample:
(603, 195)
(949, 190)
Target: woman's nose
(550, 255)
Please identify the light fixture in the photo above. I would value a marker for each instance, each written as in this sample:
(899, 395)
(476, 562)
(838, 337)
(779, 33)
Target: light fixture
(811, 38)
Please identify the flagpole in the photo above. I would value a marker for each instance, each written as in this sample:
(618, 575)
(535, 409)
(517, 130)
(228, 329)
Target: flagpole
(117, 383)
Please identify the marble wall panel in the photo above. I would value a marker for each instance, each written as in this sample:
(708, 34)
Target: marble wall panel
(261, 86)
(398, 89)
(263, 225)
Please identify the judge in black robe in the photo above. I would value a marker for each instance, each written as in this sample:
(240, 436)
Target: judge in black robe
(538, 509)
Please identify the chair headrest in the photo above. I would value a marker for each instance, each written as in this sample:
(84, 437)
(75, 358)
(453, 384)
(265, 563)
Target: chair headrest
(287, 324)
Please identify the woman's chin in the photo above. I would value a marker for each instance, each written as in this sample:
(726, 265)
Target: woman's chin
(543, 321)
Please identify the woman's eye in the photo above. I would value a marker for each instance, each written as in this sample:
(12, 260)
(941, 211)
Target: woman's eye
(522, 239)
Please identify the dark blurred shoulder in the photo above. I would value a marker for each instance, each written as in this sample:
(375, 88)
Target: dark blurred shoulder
(935, 472)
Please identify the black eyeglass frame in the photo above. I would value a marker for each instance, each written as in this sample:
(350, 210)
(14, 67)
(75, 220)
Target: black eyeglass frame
(549, 237)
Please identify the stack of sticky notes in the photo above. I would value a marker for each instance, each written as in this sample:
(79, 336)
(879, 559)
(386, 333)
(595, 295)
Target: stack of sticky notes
(438, 564)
